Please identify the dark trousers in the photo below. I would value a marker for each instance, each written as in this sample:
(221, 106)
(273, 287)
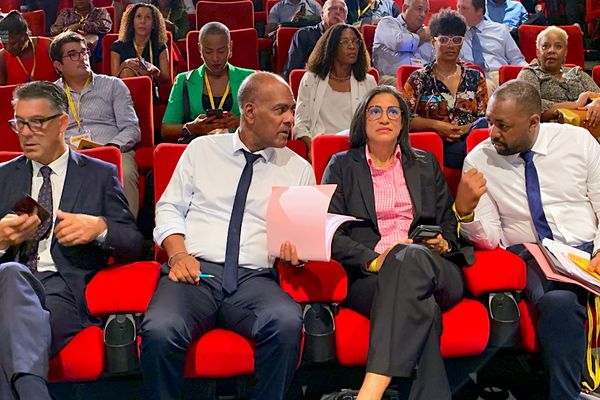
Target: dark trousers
(38, 316)
(259, 309)
(560, 326)
(404, 302)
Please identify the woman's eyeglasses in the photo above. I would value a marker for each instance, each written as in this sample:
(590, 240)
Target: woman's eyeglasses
(446, 40)
(347, 42)
(375, 113)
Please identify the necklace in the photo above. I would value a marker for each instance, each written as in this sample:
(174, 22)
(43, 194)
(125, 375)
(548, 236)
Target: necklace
(338, 78)
(442, 76)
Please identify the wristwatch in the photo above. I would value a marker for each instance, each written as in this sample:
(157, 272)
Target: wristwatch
(185, 132)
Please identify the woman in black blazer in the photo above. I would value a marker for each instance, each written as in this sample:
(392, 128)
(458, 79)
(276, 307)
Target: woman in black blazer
(400, 285)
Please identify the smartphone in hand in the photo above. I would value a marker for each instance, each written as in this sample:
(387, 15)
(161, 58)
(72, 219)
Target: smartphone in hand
(424, 232)
(27, 205)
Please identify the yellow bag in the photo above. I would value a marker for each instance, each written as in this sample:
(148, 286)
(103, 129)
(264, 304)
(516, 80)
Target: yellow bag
(577, 118)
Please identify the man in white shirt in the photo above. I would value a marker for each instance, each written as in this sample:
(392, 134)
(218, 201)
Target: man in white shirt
(527, 182)
(46, 264)
(199, 224)
(487, 43)
(403, 40)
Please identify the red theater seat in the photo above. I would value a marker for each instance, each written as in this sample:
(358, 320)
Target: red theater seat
(283, 40)
(402, 74)
(244, 51)
(36, 21)
(368, 33)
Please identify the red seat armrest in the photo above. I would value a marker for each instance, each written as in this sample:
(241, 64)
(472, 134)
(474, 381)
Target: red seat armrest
(316, 282)
(494, 271)
(122, 288)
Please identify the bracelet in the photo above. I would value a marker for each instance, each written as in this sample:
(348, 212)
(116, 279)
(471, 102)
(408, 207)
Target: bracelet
(466, 218)
(175, 255)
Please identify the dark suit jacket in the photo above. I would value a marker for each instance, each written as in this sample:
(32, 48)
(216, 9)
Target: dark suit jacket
(302, 45)
(91, 187)
(353, 243)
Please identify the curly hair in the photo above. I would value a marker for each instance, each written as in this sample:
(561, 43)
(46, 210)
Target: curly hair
(447, 22)
(321, 58)
(358, 126)
(159, 30)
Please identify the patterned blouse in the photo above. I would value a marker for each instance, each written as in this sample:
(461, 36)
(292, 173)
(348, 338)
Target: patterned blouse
(429, 97)
(552, 89)
(96, 22)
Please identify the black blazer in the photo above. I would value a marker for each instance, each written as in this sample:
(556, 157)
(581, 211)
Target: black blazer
(91, 187)
(354, 241)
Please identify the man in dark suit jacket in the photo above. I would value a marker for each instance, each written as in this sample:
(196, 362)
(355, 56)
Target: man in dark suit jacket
(400, 286)
(47, 264)
(334, 12)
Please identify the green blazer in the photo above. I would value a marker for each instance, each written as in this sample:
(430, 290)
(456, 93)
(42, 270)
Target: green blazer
(195, 83)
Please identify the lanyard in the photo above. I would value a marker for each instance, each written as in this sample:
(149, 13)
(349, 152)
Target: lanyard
(34, 61)
(364, 10)
(74, 111)
(210, 95)
(139, 51)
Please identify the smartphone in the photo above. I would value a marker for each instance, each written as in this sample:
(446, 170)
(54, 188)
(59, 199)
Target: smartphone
(27, 205)
(214, 112)
(424, 232)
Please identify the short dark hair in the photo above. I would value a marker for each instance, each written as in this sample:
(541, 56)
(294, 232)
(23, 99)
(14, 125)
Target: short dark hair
(358, 131)
(322, 56)
(479, 4)
(214, 28)
(524, 93)
(447, 22)
(56, 47)
(14, 24)
(42, 90)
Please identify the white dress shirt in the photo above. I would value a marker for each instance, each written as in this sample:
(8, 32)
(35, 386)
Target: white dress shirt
(57, 179)
(395, 45)
(567, 160)
(498, 46)
(198, 200)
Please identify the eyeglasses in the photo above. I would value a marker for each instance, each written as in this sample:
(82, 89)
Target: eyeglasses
(77, 55)
(35, 124)
(337, 8)
(375, 112)
(445, 40)
(347, 42)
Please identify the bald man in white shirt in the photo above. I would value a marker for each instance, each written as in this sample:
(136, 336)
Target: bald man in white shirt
(499, 203)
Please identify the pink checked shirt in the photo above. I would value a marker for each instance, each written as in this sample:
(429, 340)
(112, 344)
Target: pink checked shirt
(393, 205)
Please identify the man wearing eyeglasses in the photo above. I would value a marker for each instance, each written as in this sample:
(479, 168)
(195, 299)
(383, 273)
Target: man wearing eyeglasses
(100, 107)
(334, 12)
(403, 40)
(48, 256)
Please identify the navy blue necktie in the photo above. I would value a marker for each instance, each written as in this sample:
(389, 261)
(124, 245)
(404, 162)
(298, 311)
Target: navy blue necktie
(534, 197)
(232, 252)
(477, 49)
(43, 231)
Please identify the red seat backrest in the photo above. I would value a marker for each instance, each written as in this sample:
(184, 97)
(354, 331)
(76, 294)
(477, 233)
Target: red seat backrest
(109, 154)
(62, 4)
(140, 88)
(437, 5)
(475, 137)
(296, 77)
(596, 74)
(36, 21)
(475, 66)
(8, 5)
(508, 72)
(324, 146)
(402, 74)
(167, 156)
(528, 35)
(9, 141)
(244, 51)
(103, 3)
(283, 40)
(368, 33)
(234, 14)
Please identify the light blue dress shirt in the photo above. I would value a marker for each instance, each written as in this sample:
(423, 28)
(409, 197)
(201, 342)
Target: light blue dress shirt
(395, 45)
(499, 48)
(284, 11)
(510, 13)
